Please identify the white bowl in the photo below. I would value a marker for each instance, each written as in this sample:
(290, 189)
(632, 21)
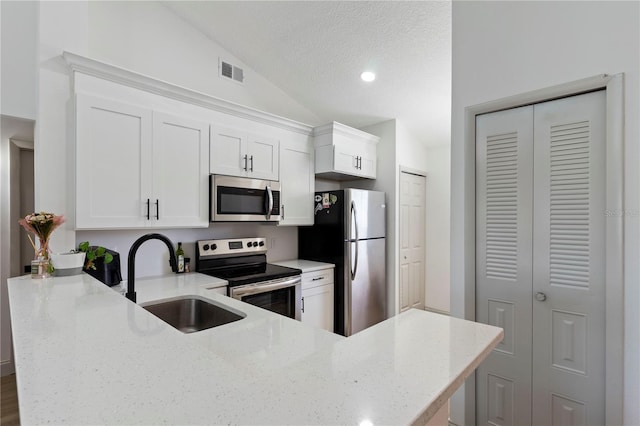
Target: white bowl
(65, 264)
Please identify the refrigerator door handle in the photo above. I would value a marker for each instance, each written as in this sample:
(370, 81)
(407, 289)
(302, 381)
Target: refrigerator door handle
(354, 269)
(354, 215)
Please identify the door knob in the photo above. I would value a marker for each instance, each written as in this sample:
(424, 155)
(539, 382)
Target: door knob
(541, 297)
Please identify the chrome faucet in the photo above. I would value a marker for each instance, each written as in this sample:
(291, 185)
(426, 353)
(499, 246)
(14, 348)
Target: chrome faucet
(131, 267)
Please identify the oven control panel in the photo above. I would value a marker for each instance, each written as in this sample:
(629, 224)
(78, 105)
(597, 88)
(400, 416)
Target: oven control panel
(235, 246)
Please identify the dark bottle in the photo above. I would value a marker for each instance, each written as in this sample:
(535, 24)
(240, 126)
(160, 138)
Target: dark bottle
(180, 256)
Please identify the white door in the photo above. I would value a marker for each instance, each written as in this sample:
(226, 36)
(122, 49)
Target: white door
(317, 307)
(540, 262)
(227, 152)
(412, 240)
(113, 163)
(262, 156)
(180, 172)
(297, 180)
(504, 206)
(569, 255)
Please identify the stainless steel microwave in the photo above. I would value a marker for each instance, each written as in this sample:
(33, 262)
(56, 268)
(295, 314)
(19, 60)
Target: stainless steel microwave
(237, 199)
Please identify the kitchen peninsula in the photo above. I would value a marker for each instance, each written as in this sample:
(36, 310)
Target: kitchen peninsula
(87, 355)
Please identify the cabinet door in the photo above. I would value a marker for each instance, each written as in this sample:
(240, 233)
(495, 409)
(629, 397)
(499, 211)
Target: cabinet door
(228, 152)
(113, 163)
(367, 165)
(344, 160)
(317, 307)
(263, 157)
(297, 183)
(180, 172)
(355, 161)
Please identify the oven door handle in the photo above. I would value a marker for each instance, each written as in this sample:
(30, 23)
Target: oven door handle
(249, 289)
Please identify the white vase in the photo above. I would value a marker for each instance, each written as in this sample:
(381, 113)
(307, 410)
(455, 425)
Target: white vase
(66, 264)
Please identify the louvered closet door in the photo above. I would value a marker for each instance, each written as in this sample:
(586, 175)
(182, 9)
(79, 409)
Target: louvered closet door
(504, 187)
(569, 256)
(540, 257)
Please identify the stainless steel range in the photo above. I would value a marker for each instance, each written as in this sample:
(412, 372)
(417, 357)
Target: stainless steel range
(242, 262)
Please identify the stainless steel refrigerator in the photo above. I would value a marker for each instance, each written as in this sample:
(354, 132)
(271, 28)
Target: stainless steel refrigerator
(349, 231)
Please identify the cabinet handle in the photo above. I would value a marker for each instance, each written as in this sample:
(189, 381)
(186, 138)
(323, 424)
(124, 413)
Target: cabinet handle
(245, 162)
(157, 209)
(282, 217)
(360, 163)
(251, 170)
(148, 208)
(302, 308)
(317, 279)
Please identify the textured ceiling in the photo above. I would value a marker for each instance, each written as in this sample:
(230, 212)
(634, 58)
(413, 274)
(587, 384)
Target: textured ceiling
(316, 50)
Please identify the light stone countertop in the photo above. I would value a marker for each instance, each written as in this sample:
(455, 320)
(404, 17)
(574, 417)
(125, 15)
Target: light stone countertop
(304, 265)
(86, 355)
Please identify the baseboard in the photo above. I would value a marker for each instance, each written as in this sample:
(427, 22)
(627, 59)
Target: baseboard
(7, 367)
(437, 311)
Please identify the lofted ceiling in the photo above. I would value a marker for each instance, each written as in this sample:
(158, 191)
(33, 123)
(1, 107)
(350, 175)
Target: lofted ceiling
(315, 51)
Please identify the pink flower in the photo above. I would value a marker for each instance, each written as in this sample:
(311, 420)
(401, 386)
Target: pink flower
(42, 226)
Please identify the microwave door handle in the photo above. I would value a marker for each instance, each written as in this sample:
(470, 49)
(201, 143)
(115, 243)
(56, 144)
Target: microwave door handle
(269, 202)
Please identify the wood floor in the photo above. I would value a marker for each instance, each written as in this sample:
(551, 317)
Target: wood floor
(9, 397)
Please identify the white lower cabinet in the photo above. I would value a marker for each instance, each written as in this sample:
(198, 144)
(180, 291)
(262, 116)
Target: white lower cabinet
(318, 298)
(138, 168)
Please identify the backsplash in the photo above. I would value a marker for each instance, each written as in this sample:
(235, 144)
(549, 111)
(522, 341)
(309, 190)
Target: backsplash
(152, 259)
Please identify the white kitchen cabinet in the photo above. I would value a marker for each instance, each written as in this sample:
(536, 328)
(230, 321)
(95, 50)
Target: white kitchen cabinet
(235, 152)
(113, 163)
(343, 153)
(318, 298)
(180, 171)
(297, 180)
(138, 168)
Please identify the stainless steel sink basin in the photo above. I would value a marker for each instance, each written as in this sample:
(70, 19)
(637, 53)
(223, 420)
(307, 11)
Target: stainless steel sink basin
(192, 313)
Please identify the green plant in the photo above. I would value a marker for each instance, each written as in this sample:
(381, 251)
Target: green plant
(93, 253)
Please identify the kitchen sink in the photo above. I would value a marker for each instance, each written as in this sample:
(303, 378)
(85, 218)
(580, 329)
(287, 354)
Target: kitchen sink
(191, 313)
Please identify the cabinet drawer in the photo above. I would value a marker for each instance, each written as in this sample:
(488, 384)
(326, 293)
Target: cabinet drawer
(317, 278)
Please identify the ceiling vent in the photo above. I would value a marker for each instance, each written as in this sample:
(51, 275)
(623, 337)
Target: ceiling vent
(230, 71)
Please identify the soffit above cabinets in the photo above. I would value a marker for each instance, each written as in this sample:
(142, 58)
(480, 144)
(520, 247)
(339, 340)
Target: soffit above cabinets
(129, 78)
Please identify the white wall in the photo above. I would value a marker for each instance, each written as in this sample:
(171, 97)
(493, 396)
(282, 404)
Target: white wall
(438, 166)
(144, 37)
(10, 128)
(19, 22)
(148, 38)
(506, 48)
(387, 182)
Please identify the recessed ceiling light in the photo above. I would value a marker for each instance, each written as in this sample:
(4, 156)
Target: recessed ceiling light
(368, 76)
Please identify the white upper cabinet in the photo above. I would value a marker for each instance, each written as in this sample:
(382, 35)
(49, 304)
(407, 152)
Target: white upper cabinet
(180, 171)
(236, 152)
(138, 168)
(297, 182)
(113, 163)
(144, 150)
(343, 152)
